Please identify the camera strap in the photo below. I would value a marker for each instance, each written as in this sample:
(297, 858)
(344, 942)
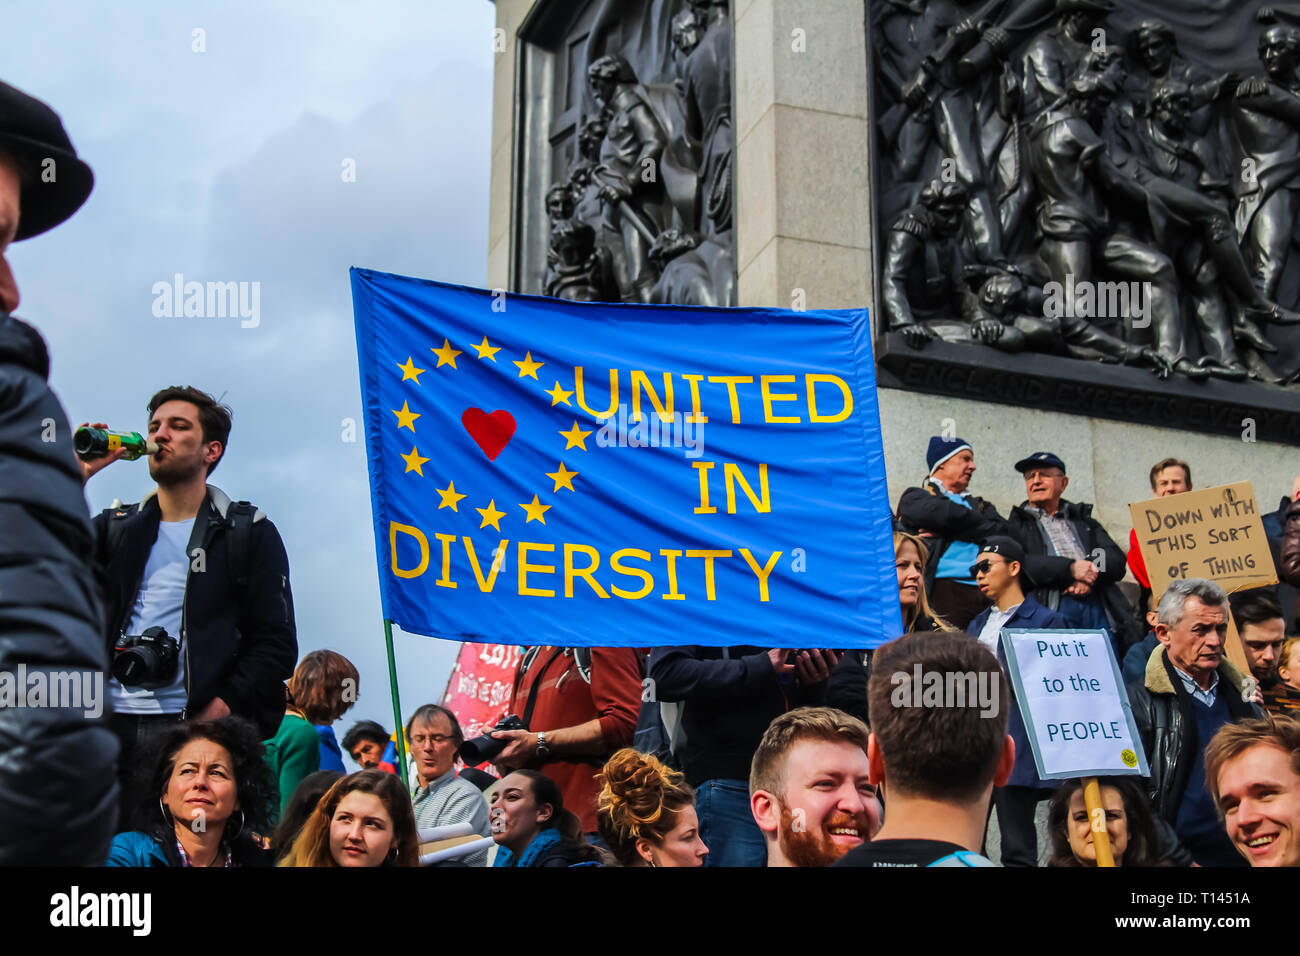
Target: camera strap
(532, 691)
(241, 515)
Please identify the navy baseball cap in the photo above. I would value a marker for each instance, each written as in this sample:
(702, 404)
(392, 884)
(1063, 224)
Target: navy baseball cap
(1040, 459)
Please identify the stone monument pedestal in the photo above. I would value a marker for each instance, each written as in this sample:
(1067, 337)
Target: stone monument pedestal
(803, 227)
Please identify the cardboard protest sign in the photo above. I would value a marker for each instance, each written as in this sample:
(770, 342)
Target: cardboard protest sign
(1073, 702)
(1215, 533)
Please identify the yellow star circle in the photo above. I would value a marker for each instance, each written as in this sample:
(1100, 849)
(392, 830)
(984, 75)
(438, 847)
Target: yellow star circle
(409, 371)
(491, 516)
(535, 509)
(528, 368)
(559, 395)
(406, 418)
(486, 351)
(563, 478)
(449, 496)
(414, 461)
(446, 355)
(576, 437)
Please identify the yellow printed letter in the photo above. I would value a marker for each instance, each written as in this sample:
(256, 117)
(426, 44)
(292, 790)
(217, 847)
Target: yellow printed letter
(525, 567)
(570, 572)
(765, 383)
(393, 528)
(839, 416)
(761, 573)
(484, 586)
(617, 566)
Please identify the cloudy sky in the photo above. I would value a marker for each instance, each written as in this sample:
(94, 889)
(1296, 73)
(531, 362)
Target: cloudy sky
(227, 165)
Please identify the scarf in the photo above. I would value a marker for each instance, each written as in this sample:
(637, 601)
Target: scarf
(539, 845)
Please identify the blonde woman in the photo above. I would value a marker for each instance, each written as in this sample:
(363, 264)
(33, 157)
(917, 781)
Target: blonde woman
(846, 689)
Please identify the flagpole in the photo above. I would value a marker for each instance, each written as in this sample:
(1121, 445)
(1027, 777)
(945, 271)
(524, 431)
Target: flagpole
(397, 704)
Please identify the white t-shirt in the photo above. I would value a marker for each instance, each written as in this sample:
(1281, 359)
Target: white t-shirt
(162, 594)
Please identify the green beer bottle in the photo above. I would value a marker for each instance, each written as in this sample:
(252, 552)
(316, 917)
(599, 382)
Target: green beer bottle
(91, 443)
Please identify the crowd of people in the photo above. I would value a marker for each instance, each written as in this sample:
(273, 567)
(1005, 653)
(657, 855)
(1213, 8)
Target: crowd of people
(753, 756)
(219, 750)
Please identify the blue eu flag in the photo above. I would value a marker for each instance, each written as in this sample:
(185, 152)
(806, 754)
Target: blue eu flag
(580, 474)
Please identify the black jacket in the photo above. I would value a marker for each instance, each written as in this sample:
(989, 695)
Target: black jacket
(1049, 574)
(1288, 586)
(1163, 711)
(58, 779)
(727, 704)
(239, 649)
(846, 688)
(926, 509)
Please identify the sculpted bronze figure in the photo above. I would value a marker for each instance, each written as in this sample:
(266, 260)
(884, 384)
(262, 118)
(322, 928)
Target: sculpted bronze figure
(1127, 157)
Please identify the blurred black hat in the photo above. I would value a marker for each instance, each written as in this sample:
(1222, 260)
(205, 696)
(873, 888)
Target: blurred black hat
(32, 133)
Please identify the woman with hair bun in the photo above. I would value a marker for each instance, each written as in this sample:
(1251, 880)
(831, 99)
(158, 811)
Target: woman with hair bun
(646, 813)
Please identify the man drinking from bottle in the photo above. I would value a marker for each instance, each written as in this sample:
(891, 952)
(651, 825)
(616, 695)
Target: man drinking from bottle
(199, 612)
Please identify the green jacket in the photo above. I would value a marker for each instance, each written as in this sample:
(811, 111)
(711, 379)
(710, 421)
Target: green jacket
(292, 754)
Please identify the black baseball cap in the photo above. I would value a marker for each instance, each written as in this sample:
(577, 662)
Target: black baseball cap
(32, 133)
(1040, 459)
(1009, 548)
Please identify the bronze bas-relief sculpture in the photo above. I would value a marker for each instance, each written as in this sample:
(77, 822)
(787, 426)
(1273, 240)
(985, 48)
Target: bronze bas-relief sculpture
(1036, 158)
(645, 212)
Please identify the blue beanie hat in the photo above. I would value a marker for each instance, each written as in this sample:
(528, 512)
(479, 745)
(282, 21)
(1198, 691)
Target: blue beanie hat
(941, 449)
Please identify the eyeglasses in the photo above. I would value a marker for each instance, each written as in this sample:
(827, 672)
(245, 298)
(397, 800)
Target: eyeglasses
(982, 568)
(438, 739)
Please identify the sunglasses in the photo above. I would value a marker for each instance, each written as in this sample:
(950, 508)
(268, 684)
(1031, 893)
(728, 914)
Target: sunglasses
(982, 568)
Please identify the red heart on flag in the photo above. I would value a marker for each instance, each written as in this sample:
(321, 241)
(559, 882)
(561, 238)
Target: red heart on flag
(491, 432)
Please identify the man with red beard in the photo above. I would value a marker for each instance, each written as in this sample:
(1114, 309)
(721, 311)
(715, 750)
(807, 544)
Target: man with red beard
(809, 788)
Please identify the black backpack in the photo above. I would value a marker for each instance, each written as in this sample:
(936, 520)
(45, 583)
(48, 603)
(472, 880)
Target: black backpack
(239, 519)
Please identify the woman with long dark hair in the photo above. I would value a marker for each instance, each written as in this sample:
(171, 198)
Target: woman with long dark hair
(305, 799)
(1129, 824)
(531, 827)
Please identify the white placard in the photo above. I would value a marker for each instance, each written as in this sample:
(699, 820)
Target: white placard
(1073, 702)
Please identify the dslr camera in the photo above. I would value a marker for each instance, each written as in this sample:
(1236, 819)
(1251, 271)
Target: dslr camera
(145, 660)
(485, 748)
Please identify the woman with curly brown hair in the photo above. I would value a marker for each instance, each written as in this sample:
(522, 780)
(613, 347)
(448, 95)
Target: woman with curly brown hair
(207, 800)
(646, 813)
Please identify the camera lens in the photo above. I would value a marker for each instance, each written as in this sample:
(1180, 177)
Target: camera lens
(480, 750)
(135, 666)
